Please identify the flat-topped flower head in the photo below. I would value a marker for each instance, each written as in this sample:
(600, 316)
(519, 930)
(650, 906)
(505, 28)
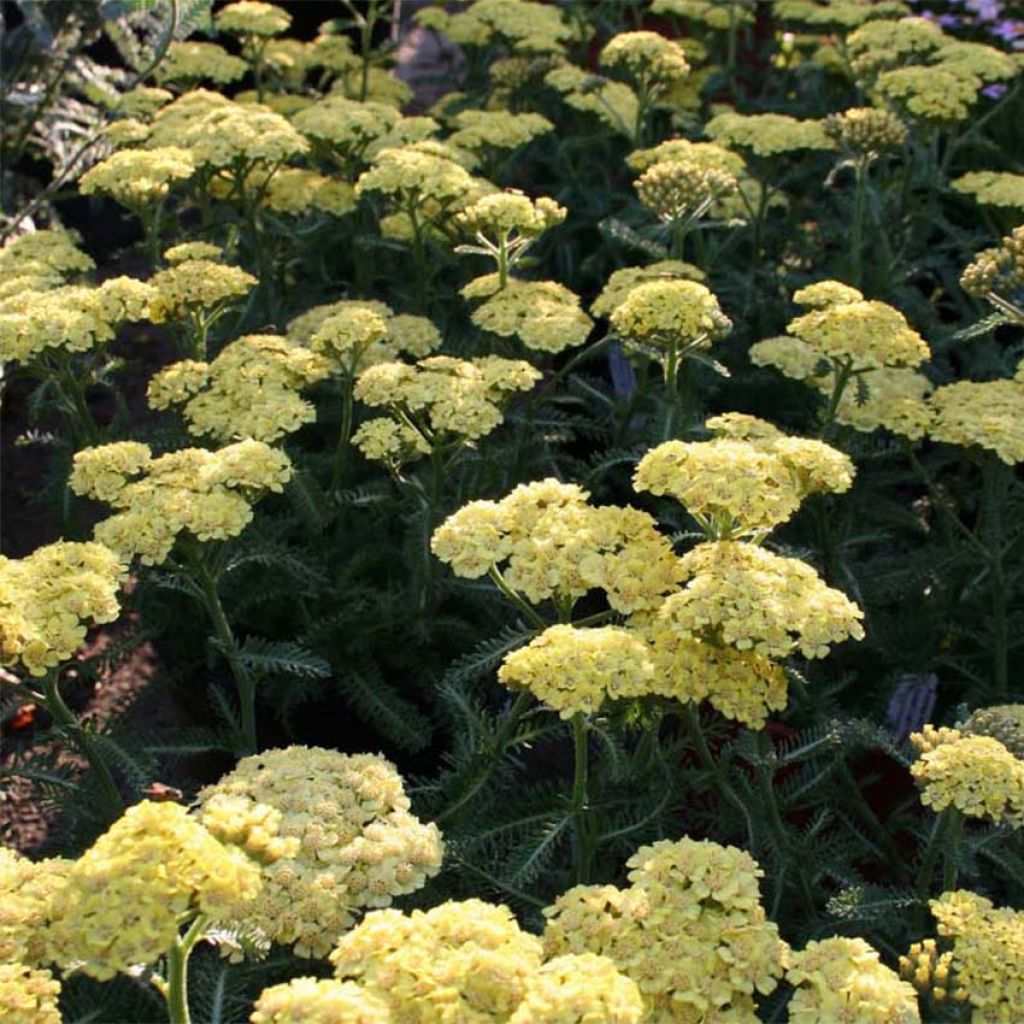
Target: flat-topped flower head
(319, 1001)
(459, 961)
(689, 930)
(510, 211)
(193, 285)
(741, 595)
(125, 896)
(483, 131)
(27, 889)
(736, 487)
(843, 979)
(28, 995)
(193, 251)
(347, 126)
(648, 59)
(188, 62)
(49, 598)
(252, 18)
(412, 175)
(524, 26)
(974, 773)
(137, 178)
(544, 315)
(623, 281)
(767, 134)
(713, 14)
(894, 399)
(887, 43)
(987, 415)
(358, 845)
(251, 389)
(52, 252)
(614, 103)
(935, 96)
(580, 988)
(993, 188)
(574, 671)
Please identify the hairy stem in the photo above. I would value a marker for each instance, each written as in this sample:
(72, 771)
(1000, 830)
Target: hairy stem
(177, 971)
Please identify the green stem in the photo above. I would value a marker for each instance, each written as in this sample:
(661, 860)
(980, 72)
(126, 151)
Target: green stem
(580, 803)
(692, 718)
(177, 971)
(502, 584)
(932, 852)
(857, 229)
(841, 372)
(671, 391)
(341, 452)
(951, 848)
(502, 258)
(72, 384)
(244, 683)
(994, 475)
(419, 257)
(65, 718)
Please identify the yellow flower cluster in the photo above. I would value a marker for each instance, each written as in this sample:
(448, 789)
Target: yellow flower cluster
(839, 13)
(767, 134)
(358, 843)
(580, 988)
(999, 270)
(993, 188)
(502, 213)
(743, 486)
(319, 1001)
(138, 178)
(347, 126)
(842, 979)
(714, 14)
(253, 18)
(658, 315)
(414, 176)
(553, 544)
(895, 399)
(888, 43)
(468, 962)
(48, 598)
(348, 334)
(1003, 722)
(447, 398)
(939, 95)
(574, 671)
(985, 962)
(207, 494)
(623, 281)
(544, 315)
(674, 189)
(188, 62)
(191, 286)
(185, 251)
(252, 389)
(707, 155)
(39, 261)
(483, 131)
(976, 774)
(748, 598)
(295, 191)
(987, 414)
(523, 25)
(124, 897)
(614, 103)
(390, 442)
(72, 318)
(27, 889)
(866, 132)
(143, 101)
(690, 931)
(646, 58)
(28, 996)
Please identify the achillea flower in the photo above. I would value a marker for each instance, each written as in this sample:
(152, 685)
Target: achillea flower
(319, 1001)
(447, 397)
(934, 95)
(358, 844)
(983, 959)
(465, 961)
(843, 979)
(502, 213)
(193, 251)
(622, 282)
(646, 58)
(143, 101)
(390, 442)
(410, 176)
(895, 399)
(137, 178)
(50, 597)
(295, 191)
(27, 889)
(767, 134)
(188, 62)
(347, 126)
(196, 285)
(28, 995)
(999, 270)
(544, 315)
(866, 132)
(614, 103)
(708, 156)
(689, 930)
(550, 543)
(524, 26)
(580, 988)
(207, 494)
(736, 487)
(126, 894)
(714, 14)
(674, 189)
(988, 415)
(252, 18)
(993, 188)
(573, 671)
(888, 43)
(483, 131)
(976, 774)
(1003, 722)
(51, 252)
(743, 596)
(252, 389)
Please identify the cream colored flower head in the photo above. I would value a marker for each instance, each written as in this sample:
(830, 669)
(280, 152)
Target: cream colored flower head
(681, 312)
(138, 178)
(252, 18)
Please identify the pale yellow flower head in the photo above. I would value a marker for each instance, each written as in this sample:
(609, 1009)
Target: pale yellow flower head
(993, 188)
(767, 134)
(658, 313)
(987, 415)
(580, 988)
(138, 178)
(193, 285)
(27, 889)
(623, 281)
(510, 211)
(866, 131)
(49, 598)
(28, 995)
(252, 18)
(1003, 722)
(483, 131)
(939, 96)
(188, 61)
(614, 103)
(358, 844)
(125, 895)
(999, 270)
(646, 58)
(319, 1001)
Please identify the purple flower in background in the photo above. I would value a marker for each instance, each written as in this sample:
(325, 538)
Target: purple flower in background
(993, 92)
(948, 20)
(1008, 30)
(986, 10)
